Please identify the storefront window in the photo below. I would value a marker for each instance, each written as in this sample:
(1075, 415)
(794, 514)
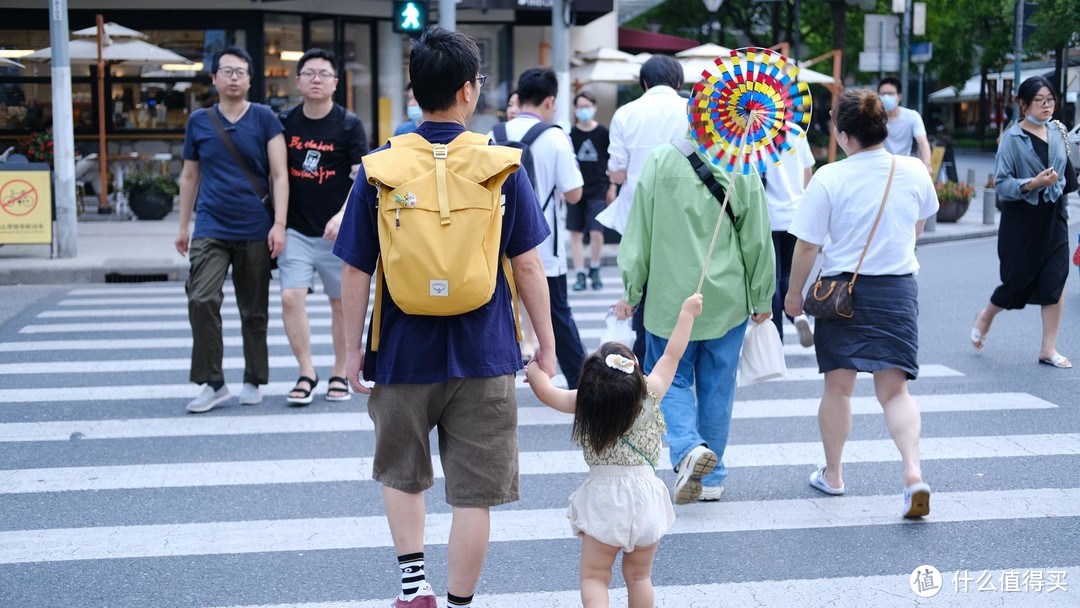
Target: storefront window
(356, 74)
(27, 106)
(284, 35)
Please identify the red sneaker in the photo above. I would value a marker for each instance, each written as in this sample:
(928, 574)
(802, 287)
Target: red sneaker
(424, 598)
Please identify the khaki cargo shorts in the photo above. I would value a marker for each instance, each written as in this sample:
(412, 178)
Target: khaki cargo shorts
(478, 449)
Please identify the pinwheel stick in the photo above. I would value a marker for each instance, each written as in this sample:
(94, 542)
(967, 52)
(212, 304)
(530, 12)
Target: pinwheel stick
(723, 206)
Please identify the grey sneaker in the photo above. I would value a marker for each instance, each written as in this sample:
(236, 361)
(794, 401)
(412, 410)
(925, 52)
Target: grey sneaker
(250, 395)
(711, 493)
(806, 334)
(697, 463)
(208, 399)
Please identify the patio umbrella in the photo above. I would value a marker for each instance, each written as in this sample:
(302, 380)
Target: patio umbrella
(700, 58)
(110, 43)
(605, 65)
(5, 62)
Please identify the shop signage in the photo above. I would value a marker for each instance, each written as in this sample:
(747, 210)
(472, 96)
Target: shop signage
(26, 205)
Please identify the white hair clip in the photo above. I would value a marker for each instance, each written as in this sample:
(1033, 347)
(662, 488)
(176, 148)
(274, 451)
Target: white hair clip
(620, 363)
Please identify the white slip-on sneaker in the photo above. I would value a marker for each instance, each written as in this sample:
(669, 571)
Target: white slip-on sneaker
(711, 493)
(806, 334)
(916, 500)
(697, 463)
(250, 395)
(208, 399)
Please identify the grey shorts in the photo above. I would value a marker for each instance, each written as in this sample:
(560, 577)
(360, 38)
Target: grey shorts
(303, 257)
(478, 449)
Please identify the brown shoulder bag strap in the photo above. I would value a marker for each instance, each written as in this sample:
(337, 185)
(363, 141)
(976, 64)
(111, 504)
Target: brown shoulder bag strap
(877, 220)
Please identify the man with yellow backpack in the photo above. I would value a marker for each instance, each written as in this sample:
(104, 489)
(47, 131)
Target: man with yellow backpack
(449, 228)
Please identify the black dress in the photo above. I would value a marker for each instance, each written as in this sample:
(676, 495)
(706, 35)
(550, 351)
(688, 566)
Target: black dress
(1033, 247)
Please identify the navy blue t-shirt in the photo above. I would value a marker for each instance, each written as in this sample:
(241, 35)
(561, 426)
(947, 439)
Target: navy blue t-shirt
(227, 207)
(418, 349)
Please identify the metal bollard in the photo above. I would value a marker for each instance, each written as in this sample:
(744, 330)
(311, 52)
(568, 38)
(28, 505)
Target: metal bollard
(989, 206)
(931, 224)
(971, 177)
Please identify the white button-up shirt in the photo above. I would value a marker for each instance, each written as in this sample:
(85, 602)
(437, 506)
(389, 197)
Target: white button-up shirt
(654, 119)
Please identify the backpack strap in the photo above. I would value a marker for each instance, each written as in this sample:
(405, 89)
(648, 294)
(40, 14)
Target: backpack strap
(685, 148)
(499, 132)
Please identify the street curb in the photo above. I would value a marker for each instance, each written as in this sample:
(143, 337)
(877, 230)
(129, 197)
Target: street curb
(121, 274)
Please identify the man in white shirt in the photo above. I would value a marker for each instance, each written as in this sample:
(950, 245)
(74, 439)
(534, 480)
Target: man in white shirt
(904, 124)
(785, 185)
(654, 119)
(555, 177)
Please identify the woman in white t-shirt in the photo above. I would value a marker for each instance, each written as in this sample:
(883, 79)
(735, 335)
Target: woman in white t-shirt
(839, 208)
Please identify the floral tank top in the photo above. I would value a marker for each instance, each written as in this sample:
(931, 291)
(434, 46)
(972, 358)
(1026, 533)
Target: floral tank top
(638, 446)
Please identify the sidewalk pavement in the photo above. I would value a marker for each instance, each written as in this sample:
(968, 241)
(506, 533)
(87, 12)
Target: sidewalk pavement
(132, 251)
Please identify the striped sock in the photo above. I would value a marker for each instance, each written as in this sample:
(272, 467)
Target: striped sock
(453, 601)
(412, 574)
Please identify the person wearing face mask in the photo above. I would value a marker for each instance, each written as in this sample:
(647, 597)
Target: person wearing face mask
(904, 124)
(590, 140)
(837, 214)
(413, 111)
(1033, 237)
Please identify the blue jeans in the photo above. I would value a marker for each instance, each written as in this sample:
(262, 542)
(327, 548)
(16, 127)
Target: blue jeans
(707, 366)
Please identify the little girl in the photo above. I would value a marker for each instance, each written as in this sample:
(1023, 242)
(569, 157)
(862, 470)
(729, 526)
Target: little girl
(617, 420)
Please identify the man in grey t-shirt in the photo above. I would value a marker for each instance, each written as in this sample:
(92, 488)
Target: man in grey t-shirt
(904, 124)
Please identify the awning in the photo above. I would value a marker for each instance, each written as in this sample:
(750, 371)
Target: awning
(537, 12)
(638, 41)
(970, 90)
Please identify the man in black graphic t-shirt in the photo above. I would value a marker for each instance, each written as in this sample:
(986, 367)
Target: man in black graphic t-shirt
(325, 143)
(590, 140)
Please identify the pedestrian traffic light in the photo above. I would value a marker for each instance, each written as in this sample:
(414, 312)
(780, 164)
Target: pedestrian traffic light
(410, 16)
(1029, 28)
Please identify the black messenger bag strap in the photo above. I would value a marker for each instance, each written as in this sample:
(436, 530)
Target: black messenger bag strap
(230, 145)
(715, 189)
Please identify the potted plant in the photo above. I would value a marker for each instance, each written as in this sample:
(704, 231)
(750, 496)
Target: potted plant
(954, 198)
(150, 195)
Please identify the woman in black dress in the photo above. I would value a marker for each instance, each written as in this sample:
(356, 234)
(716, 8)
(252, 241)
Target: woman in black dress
(1033, 238)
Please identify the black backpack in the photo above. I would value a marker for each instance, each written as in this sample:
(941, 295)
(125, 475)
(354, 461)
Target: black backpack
(499, 132)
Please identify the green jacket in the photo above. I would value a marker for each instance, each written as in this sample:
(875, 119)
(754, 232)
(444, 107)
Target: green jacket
(670, 227)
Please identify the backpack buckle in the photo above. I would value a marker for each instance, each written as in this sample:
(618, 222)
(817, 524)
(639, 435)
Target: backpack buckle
(439, 150)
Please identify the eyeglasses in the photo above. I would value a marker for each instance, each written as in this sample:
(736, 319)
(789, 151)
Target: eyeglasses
(230, 72)
(1046, 102)
(480, 80)
(322, 74)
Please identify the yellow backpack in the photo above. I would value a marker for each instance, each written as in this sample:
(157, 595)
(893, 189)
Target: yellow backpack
(440, 209)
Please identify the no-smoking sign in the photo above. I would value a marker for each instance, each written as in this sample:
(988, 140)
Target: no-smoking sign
(18, 197)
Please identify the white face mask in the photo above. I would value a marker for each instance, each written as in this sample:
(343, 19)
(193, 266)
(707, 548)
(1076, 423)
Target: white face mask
(890, 102)
(414, 113)
(585, 114)
(1035, 120)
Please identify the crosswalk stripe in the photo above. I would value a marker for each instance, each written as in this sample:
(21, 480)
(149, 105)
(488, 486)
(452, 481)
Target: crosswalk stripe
(208, 474)
(314, 534)
(313, 310)
(881, 590)
(64, 430)
(142, 343)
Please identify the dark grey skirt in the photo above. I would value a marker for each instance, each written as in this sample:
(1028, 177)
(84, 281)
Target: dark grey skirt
(883, 334)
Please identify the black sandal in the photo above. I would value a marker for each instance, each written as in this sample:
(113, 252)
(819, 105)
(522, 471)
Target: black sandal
(305, 397)
(333, 389)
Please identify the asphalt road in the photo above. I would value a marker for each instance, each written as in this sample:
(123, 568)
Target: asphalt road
(112, 496)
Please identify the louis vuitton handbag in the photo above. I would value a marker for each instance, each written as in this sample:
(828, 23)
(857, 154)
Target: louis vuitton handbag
(835, 299)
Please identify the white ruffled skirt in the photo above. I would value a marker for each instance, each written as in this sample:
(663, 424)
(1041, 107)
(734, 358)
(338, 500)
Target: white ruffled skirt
(622, 506)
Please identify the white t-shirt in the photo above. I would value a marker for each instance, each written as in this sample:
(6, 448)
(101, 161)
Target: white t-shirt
(785, 184)
(842, 201)
(555, 166)
(906, 126)
(654, 119)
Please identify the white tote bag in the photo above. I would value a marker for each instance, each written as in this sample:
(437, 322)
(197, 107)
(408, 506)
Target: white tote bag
(762, 355)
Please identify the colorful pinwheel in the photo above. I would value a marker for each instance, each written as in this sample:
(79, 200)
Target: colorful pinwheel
(744, 116)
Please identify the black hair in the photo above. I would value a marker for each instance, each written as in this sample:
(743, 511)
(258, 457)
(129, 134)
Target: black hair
(861, 115)
(893, 81)
(586, 95)
(608, 400)
(661, 70)
(408, 86)
(317, 53)
(235, 51)
(441, 62)
(512, 93)
(1031, 87)
(535, 85)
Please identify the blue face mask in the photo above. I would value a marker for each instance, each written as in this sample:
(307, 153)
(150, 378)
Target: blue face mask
(414, 113)
(890, 102)
(585, 114)
(1035, 120)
